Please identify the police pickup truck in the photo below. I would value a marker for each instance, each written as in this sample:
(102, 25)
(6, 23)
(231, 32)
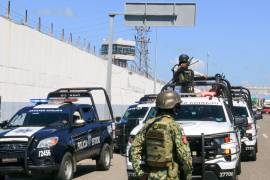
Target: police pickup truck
(242, 107)
(249, 134)
(135, 114)
(215, 145)
(54, 134)
(211, 129)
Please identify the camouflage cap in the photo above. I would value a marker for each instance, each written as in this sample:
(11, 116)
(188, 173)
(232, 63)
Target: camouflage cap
(167, 100)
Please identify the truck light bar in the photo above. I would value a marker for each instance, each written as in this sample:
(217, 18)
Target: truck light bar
(63, 100)
(38, 100)
(54, 100)
(208, 94)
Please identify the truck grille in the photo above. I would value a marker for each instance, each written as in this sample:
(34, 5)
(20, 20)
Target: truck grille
(211, 149)
(210, 146)
(12, 148)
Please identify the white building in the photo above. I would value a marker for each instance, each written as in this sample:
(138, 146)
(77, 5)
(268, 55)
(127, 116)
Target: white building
(123, 51)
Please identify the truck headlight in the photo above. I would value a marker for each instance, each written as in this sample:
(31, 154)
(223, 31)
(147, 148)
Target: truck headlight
(48, 142)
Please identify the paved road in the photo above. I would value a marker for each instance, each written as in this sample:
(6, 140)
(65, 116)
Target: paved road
(258, 170)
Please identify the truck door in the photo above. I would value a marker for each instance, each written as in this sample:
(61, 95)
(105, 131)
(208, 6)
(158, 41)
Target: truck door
(93, 130)
(80, 136)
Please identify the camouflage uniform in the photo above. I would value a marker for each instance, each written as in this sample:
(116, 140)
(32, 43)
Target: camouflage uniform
(182, 156)
(184, 77)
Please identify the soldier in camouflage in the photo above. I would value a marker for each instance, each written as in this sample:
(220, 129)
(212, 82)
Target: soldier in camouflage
(163, 144)
(183, 75)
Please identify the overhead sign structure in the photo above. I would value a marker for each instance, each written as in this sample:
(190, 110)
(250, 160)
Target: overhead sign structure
(150, 14)
(160, 14)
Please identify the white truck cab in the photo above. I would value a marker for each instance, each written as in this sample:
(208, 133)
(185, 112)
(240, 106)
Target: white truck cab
(215, 144)
(249, 136)
(135, 114)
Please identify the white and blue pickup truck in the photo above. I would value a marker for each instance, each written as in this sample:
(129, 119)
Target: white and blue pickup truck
(249, 134)
(135, 114)
(51, 136)
(214, 141)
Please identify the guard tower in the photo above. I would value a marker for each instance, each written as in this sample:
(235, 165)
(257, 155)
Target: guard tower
(123, 51)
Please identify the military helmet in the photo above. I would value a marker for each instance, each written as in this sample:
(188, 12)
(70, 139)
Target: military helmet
(167, 100)
(76, 115)
(183, 58)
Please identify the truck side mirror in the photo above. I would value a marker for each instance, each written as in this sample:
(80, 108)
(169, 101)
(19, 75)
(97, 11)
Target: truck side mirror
(117, 118)
(79, 122)
(3, 123)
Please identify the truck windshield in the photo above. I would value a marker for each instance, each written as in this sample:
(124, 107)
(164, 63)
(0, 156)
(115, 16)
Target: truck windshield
(31, 118)
(240, 111)
(135, 112)
(200, 113)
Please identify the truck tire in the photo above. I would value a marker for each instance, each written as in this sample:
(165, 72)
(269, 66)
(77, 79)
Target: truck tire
(253, 155)
(239, 168)
(103, 162)
(234, 177)
(66, 169)
(256, 146)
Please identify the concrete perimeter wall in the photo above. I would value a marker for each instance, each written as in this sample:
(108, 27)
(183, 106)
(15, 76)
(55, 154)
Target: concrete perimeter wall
(33, 64)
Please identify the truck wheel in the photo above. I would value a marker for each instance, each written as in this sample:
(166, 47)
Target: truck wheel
(103, 162)
(239, 168)
(66, 169)
(2, 177)
(234, 177)
(253, 156)
(256, 146)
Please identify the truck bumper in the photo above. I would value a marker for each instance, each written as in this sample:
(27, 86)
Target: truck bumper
(212, 172)
(28, 170)
(29, 167)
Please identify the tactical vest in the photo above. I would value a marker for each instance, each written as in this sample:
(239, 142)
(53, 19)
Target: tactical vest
(159, 144)
(185, 76)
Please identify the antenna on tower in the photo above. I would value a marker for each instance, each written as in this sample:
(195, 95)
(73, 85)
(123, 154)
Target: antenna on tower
(142, 40)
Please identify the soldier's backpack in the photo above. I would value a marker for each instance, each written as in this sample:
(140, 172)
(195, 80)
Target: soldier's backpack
(159, 144)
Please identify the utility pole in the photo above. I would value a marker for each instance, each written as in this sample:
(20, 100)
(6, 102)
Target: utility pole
(155, 65)
(207, 62)
(109, 63)
(142, 41)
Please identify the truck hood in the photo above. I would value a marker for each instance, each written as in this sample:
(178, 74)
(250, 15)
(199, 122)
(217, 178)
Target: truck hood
(126, 120)
(26, 132)
(194, 128)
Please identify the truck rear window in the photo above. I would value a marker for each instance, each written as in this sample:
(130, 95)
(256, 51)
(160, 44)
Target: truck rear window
(135, 112)
(240, 111)
(200, 113)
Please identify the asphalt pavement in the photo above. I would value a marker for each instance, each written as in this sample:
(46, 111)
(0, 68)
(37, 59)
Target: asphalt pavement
(252, 170)
(260, 169)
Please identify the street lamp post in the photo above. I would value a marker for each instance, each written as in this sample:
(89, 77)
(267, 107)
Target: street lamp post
(109, 63)
(155, 66)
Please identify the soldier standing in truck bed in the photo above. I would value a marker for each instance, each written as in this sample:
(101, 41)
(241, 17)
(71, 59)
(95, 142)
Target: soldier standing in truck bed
(184, 76)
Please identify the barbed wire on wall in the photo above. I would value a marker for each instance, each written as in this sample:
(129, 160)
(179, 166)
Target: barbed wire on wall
(73, 38)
